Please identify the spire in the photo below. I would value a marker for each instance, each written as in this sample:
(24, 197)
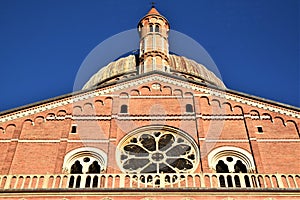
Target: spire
(153, 11)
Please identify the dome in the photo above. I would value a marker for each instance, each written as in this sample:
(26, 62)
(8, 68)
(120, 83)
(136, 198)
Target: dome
(112, 70)
(128, 67)
(154, 56)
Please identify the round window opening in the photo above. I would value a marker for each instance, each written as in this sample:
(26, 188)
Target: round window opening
(158, 150)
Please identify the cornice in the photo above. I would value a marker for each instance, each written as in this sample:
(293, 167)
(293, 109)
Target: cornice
(288, 140)
(85, 141)
(207, 140)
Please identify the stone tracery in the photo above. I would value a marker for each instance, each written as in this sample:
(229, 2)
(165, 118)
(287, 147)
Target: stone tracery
(157, 150)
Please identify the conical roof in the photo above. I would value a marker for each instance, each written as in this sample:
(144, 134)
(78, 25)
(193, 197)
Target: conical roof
(153, 11)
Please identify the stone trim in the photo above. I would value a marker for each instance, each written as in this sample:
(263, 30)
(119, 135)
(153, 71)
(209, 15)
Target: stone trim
(278, 140)
(57, 141)
(114, 139)
(122, 116)
(223, 140)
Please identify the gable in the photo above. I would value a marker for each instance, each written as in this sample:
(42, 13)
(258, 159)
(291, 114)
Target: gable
(141, 88)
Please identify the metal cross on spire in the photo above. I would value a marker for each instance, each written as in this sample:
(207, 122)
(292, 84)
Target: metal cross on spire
(153, 4)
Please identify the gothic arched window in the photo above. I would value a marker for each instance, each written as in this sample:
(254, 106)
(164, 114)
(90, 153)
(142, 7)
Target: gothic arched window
(86, 160)
(94, 168)
(221, 167)
(76, 168)
(231, 160)
(239, 167)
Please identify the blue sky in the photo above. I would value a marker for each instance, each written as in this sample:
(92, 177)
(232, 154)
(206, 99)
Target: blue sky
(254, 43)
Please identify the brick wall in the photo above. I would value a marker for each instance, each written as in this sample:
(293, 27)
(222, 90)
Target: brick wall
(39, 143)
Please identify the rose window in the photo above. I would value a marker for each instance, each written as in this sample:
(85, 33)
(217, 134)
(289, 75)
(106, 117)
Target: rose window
(158, 151)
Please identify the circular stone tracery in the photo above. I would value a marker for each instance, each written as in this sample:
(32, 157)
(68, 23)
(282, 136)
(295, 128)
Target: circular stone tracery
(157, 157)
(158, 150)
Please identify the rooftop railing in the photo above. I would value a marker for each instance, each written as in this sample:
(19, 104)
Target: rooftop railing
(113, 181)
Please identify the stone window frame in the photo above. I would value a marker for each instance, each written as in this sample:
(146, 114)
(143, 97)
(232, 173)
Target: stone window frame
(94, 154)
(221, 153)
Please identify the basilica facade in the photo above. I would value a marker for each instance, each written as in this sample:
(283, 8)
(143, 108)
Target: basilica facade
(151, 125)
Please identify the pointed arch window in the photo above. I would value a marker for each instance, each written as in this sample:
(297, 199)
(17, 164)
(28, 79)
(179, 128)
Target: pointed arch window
(94, 168)
(76, 168)
(221, 167)
(85, 161)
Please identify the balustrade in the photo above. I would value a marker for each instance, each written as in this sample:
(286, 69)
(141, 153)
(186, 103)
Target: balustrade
(111, 181)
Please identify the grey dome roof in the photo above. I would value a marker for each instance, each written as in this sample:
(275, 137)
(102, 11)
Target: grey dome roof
(179, 65)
